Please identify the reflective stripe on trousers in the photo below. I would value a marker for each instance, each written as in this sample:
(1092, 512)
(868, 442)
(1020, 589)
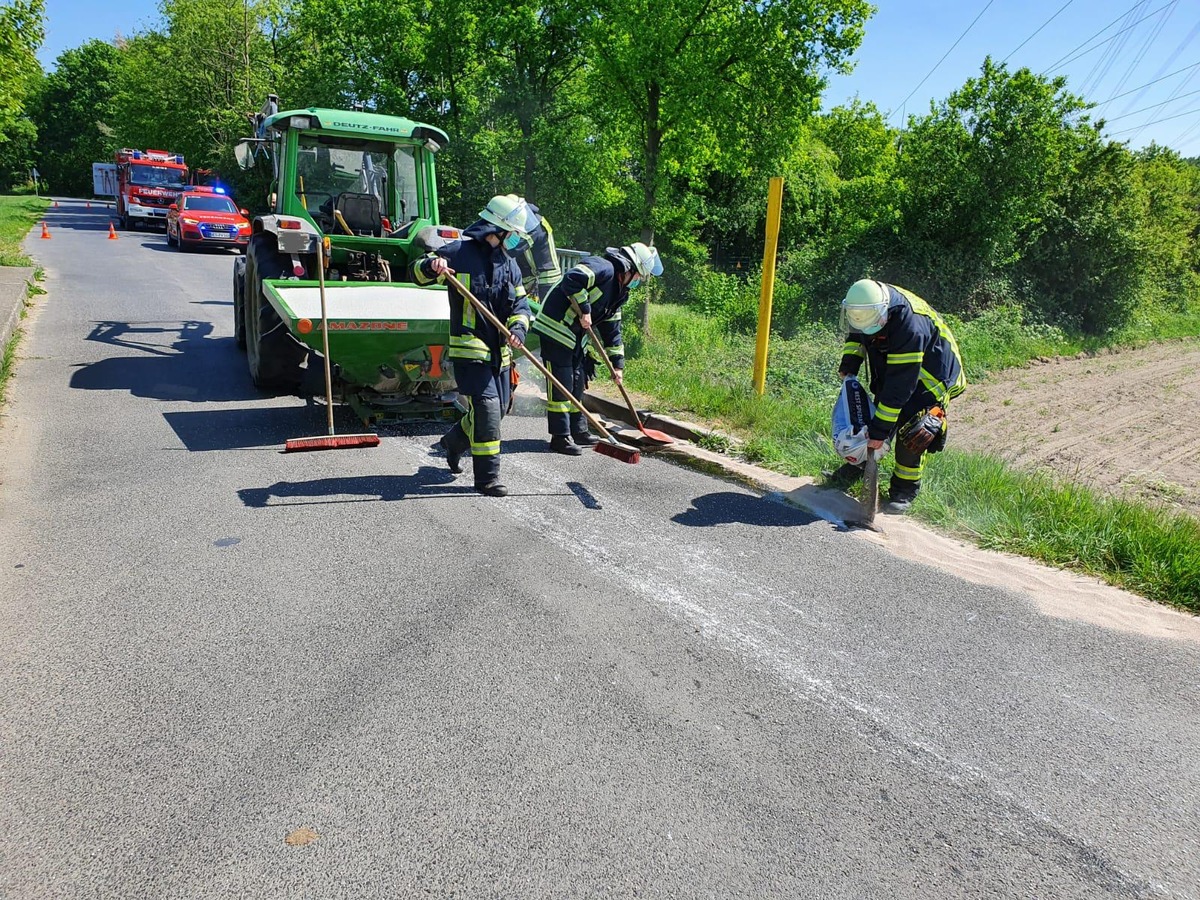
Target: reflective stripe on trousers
(479, 430)
(562, 416)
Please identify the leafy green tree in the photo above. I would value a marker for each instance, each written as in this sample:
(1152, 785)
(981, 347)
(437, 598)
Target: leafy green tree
(22, 30)
(1169, 190)
(188, 86)
(711, 84)
(983, 166)
(73, 112)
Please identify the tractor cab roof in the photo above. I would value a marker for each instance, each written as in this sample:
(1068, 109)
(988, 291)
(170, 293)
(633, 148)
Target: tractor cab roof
(360, 124)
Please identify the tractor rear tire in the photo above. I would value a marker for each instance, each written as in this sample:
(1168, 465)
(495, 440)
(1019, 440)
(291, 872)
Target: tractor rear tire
(274, 357)
(239, 303)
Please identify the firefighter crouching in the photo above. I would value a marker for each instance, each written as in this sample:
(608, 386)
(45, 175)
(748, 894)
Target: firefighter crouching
(915, 371)
(481, 358)
(599, 287)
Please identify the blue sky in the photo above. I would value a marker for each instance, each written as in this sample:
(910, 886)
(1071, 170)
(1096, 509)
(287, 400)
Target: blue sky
(905, 40)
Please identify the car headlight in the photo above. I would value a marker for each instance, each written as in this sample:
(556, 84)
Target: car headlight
(187, 221)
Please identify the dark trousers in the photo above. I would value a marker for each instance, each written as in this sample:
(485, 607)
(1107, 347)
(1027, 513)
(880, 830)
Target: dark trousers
(562, 416)
(906, 475)
(487, 392)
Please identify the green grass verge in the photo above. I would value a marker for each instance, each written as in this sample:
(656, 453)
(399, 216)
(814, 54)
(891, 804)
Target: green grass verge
(692, 365)
(17, 216)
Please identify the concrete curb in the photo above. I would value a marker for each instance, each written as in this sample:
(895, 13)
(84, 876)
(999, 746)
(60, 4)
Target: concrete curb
(14, 286)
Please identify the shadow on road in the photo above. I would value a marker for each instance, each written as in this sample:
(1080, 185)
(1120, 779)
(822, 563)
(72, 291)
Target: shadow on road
(724, 507)
(243, 429)
(193, 367)
(427, 482)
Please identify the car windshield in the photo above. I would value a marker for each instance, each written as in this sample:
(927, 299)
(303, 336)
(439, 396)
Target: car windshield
(156, 176)
(209, 204)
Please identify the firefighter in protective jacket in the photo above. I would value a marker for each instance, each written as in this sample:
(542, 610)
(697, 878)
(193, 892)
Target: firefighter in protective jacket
(591, 295)
(915, 371)
(480, 356)
(540, 269)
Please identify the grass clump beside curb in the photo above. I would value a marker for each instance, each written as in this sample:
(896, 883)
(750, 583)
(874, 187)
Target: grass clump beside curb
(17, 216)
(694, 365)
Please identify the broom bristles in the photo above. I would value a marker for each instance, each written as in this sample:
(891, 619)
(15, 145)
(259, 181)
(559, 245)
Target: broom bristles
(331, 442)
(619, 451)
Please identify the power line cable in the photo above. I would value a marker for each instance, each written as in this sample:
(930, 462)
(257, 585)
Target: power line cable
(1147, 84)
(1074, 56)
(1183, 45)
(1173, 95)
(1035, 34)
(1152, 106)
(1181, 139)
(942, 60)
(1141, 54)
(1190, 112)
(1099, 70)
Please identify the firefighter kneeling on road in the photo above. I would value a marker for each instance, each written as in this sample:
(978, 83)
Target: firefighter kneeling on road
(483, 263)
(590, 295)
(915, 370)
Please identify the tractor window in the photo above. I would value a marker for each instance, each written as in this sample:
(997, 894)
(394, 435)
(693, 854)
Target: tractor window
(406, 185)
(327, 168)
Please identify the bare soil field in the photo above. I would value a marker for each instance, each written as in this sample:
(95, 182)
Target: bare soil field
(1126, 423)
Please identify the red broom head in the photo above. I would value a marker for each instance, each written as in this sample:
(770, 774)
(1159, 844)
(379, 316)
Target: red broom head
(619, 451)
(331, 442)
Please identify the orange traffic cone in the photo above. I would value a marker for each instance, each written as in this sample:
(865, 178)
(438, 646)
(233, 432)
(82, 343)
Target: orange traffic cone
(45, 232)
(112, 232)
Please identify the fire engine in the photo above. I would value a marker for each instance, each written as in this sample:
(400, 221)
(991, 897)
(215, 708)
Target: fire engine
(148, 182)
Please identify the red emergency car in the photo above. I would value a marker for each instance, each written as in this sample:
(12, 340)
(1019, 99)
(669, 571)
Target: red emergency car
(207, 218)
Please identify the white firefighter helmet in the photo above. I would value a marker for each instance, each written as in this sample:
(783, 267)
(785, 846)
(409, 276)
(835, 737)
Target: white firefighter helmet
(865, 307)
(510, 213)
(645, 259)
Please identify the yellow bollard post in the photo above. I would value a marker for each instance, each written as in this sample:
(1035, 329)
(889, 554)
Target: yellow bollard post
(774, 209)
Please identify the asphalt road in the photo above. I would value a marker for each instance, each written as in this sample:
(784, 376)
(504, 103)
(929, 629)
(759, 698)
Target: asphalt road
(618, 681)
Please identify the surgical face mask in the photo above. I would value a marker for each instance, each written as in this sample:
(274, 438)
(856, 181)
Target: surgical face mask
(872, 329)
(637, 282)
(511, 242)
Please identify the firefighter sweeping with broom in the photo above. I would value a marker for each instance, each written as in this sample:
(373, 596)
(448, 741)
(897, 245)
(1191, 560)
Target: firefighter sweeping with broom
(915, 370)
(591, 293)
(482, 261)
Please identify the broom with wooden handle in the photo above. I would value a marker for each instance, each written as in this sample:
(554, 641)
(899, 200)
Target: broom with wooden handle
(610, 446)
(332, 440)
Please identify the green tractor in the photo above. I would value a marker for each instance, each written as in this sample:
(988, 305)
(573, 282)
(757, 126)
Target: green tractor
(364, 185)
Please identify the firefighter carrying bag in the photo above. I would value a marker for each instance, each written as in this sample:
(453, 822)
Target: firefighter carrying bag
(852, 413)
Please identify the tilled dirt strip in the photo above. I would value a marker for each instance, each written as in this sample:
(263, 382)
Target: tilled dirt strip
(1124, 422)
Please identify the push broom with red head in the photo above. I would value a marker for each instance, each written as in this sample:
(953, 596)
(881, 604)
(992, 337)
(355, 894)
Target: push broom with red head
(330, 441)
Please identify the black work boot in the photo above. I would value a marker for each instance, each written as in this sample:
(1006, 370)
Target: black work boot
(584, 438)
(901, 496)
(453, 457)
(492, 489)
(560, 443)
